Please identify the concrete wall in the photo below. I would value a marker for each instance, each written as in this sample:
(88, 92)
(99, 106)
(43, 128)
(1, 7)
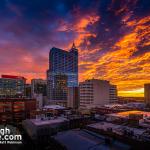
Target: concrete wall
(94, 93)
(101, 92)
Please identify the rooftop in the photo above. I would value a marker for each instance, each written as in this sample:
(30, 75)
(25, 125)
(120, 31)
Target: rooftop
(114, 105)
(86, 140)
(105, 125)
(16, 99)
(53, 107)
(13, 77)
(127, 113)
(39, 122)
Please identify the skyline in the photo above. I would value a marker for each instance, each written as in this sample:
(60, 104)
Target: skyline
(112, 37)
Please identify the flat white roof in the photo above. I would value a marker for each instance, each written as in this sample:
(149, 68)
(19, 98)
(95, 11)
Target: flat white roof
(113, 105)
(39, 122)
(53, 107)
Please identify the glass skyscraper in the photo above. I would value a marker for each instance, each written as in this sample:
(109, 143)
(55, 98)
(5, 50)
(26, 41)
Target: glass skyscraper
(62, 72)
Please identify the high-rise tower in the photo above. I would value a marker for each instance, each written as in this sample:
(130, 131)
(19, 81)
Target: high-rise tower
(62, 73)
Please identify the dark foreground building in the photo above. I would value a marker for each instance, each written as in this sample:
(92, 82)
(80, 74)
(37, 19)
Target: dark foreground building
(62, 73)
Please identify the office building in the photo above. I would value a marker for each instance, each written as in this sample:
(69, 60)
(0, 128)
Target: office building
(113, 94)
(14, 110)
(28, 90)
(62, 73)
(12, 86)
(38, 86)
(60, 90)
(39, 92)
(95, 93)
(147, 93)
(39, 101)
(73, 97)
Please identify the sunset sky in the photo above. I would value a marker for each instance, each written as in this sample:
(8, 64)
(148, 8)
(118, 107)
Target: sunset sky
(113, 38)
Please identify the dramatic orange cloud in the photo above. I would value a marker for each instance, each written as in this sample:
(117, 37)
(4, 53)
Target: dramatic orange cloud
(120, 66)
(113, 38)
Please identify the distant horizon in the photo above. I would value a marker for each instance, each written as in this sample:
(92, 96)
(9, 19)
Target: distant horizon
(29, 82)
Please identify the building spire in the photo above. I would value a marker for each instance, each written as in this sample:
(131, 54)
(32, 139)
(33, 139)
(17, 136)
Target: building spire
(73, 48)
(73, 45)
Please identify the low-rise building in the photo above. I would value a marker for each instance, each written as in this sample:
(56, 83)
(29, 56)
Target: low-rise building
(120, 130)
(14, 110)
(124, 100)
(41, 129)
(132, 116)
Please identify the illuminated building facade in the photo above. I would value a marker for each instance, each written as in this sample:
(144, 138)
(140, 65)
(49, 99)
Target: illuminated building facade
(62, 73)
(95, 92)
(12, 86)
(14, 110)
